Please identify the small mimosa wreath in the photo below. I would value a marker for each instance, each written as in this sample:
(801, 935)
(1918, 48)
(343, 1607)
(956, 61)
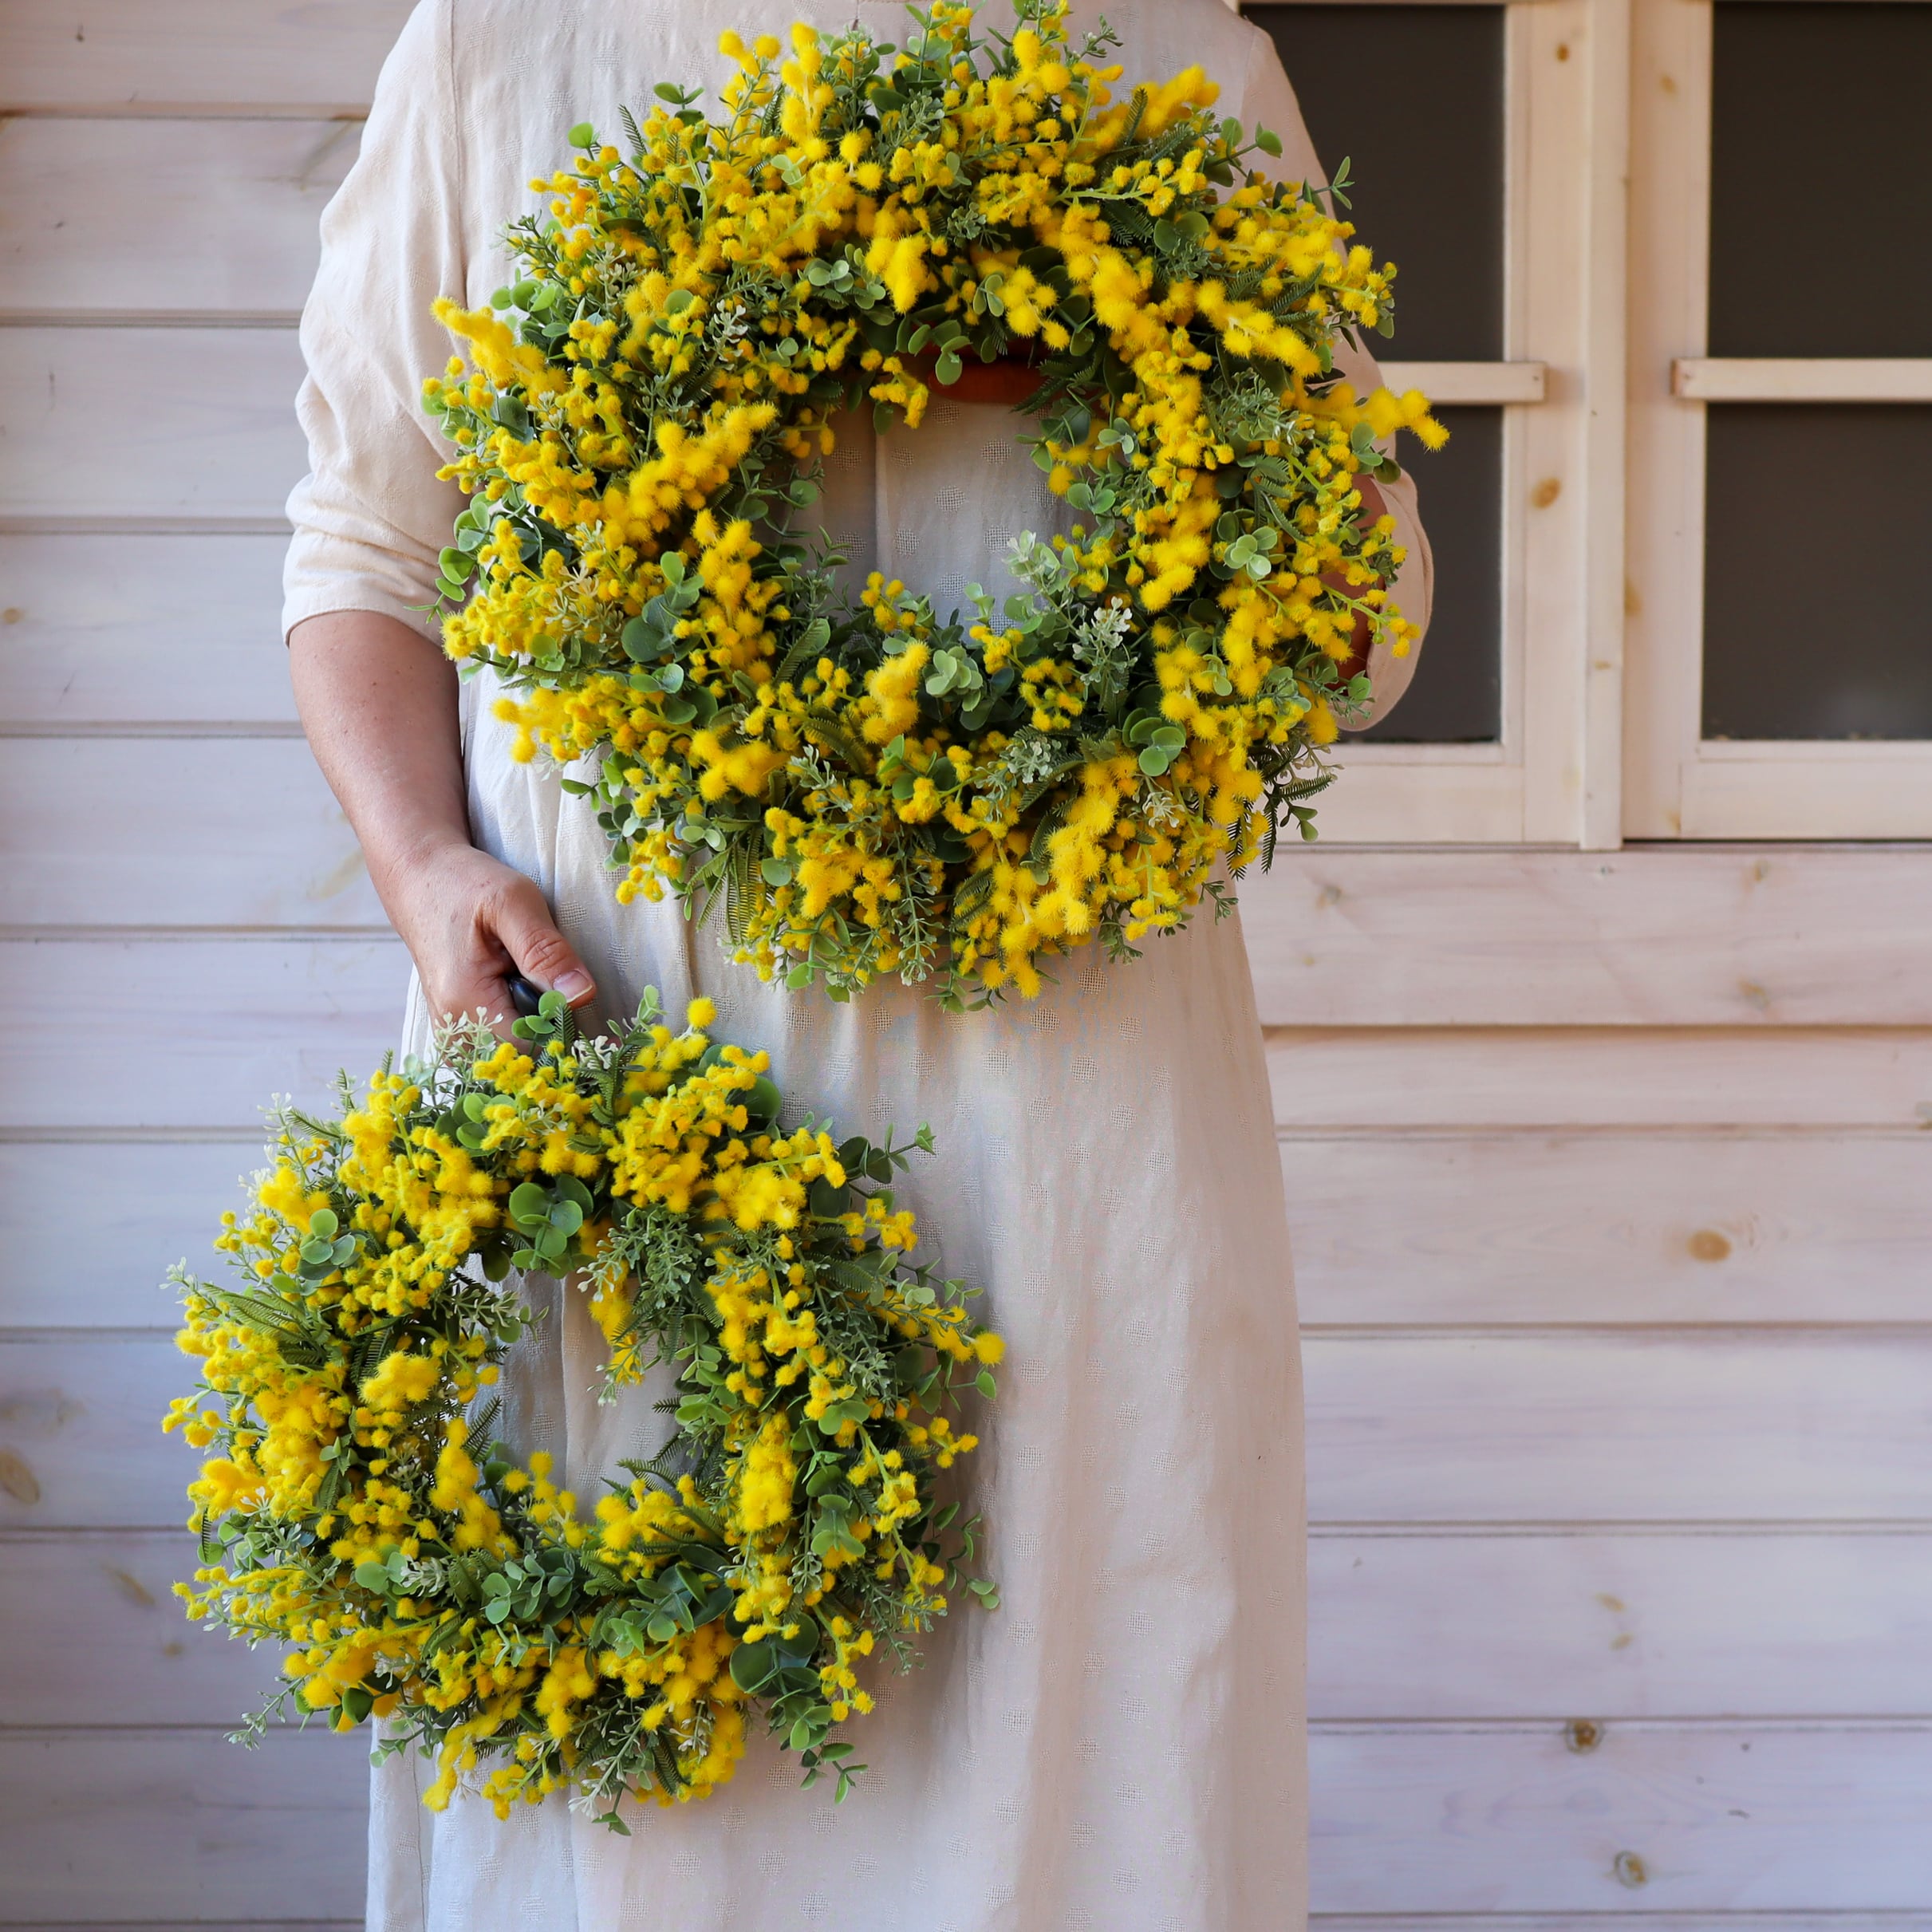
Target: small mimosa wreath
(354, 1507)
(880, 787)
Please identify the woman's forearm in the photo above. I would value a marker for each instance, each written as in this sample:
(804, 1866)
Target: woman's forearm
(378, 702)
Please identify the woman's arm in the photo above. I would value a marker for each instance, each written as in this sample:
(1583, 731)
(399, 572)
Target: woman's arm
(378, 701)
(377, 695)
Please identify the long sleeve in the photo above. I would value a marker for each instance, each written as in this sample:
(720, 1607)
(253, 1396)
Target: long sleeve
(370, 517)
(1269, 99)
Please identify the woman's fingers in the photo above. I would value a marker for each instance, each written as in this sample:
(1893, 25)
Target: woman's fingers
(470, 921)
(515, 915)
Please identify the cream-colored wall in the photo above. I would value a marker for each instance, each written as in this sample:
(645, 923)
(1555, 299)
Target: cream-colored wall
(1620, 1440)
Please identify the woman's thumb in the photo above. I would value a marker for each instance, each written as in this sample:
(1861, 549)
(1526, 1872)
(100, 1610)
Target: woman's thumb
(541, 954)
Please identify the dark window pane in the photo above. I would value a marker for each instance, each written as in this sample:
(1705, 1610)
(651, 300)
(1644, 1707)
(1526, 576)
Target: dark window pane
(1818, 577)
(1821, 190)
(1414, 97)
(1456, 693)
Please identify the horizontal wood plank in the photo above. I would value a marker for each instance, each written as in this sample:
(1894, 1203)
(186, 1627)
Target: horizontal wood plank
(1410, 1078)
(1658, 935)
(1469, 382)
(1614, 1227)
(1813, 789)
(1425, 795)
(195, 1033)
(1589, 1626)
(95, 1636)
(147, 1205)
(209, 1026)
(1802, 379)
(1635, 1920)
(80, 1442)
(1654, 1819)
(139, 1826)
(1702, 1426)
(1472, 1821)
(172, 832)
(143, 632)
(152, 216)
(214, 435)
(1751, 1427)
(1594, 1626)
(132, 53)
(1488, 1229)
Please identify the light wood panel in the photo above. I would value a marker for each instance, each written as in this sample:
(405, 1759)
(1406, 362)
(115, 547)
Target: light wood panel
(1669, 1078)
(195, 1033)
(142, 631)
(1458, 1821)
(1497, 1228)
(136, 1826)
(1803, 379)
(1629, 1921)
(1494, 1428)
(1614, 1227)
(1408, 1626)
(1609, 1427)
(132, 55)
(1656, 1818)
(172, 832)
(1807, 788)
(150, 216)
(1707, 936)
(95, 1636)
(146, 1206)
(1376, 937)
(1619, 1921)
(1469, 382)
(149, 421)
(80, 1442)
(1590, 1626)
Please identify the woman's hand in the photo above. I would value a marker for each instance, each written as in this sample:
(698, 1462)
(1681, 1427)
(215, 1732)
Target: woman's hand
(468, 920)
(378, 701)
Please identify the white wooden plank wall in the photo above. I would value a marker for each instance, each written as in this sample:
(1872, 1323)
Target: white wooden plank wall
(1620, 1456)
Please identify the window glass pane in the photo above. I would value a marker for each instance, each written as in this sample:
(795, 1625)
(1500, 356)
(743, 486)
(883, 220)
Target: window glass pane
(1412, 95)
(1456, 694)
(1818, 577)
(1821, 189)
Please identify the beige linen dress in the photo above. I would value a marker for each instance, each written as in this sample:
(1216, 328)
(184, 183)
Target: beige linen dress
(1121, 1744)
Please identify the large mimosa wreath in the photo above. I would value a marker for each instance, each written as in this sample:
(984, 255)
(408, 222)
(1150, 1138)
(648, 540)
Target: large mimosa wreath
(354, 1506)
(881, 787)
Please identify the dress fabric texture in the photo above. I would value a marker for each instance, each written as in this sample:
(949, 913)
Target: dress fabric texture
(1121, 1744)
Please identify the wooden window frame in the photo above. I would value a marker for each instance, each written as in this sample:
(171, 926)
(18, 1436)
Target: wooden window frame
(1678, 783)
(1551, 777)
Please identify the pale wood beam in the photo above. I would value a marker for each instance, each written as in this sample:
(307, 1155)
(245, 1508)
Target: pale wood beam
(1802, 379)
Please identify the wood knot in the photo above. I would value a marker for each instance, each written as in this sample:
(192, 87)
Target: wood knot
(1628, 1869)
(1708, 1244)
(16, 1477)
(1581, 1734)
